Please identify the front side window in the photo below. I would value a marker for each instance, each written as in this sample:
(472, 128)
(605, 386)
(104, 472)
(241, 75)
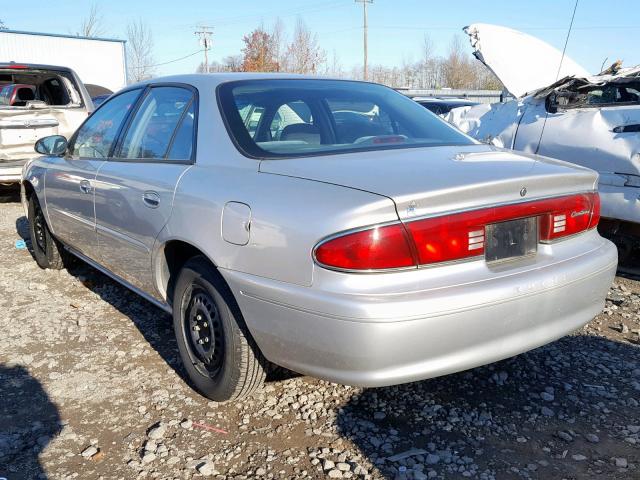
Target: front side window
(96, 136)
(314, 117)
(156, 123)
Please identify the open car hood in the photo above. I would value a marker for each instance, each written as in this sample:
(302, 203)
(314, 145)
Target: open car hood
(522, 63)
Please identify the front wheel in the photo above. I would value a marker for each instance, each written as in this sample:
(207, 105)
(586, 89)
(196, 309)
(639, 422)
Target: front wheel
(217, 350)
(47, 251)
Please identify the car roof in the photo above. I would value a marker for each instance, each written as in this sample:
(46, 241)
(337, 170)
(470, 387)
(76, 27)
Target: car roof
(212, 80)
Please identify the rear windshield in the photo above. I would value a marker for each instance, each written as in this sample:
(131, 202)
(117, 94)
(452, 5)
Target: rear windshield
(38, 87)
(299, 117)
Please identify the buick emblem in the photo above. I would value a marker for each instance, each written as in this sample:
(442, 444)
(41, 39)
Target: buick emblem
(523, 191)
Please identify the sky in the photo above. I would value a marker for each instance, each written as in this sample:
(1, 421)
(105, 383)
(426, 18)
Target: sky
(601, 32)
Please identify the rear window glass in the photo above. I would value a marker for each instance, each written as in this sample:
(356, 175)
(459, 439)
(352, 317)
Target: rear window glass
(292, 118)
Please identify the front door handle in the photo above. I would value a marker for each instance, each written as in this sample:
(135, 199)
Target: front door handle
(151, 199)
(85, 186)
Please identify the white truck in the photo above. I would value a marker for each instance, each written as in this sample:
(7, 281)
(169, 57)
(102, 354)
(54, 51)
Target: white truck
(38, 99)
(97, 61)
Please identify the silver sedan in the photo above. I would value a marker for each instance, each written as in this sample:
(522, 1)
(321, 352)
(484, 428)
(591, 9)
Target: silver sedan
(335, 228)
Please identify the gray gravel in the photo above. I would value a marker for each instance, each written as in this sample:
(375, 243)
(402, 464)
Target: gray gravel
(91, 387)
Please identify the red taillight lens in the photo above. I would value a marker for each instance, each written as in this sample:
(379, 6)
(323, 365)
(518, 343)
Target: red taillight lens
(450, 237)
(378, 248)
(570, 215)
(454, 236)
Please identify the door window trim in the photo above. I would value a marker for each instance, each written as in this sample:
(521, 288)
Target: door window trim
(116, 138)
(125, 127)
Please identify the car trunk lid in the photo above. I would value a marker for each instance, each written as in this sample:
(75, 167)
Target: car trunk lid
(432, 180)
(21, 127)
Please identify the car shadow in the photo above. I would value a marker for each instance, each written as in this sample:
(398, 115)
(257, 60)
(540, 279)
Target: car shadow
(9, 194)
(29, 420)
(153, 323)
(486, 422)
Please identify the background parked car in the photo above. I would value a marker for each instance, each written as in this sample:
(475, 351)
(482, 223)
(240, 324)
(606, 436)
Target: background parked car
(442, 106)
(99, 100)
(36, 101)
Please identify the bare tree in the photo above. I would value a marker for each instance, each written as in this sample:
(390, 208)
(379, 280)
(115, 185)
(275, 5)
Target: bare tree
(304, 54)
(92, 24)
(333, 67)
(2, 25)
(458, 70)
(278, 42)
(140, 60)
(231, 63)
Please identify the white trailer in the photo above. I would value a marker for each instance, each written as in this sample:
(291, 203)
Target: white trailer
(97, 61)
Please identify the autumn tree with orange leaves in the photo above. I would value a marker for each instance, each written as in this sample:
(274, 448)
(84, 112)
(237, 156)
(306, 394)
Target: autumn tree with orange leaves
(260, 52)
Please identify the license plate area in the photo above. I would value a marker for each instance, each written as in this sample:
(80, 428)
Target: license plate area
(511, 240)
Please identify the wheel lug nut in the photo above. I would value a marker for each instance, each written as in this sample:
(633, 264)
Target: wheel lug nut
(206, 339)
(196, 328)
(198, 317)
(205, 324)
(200, 341)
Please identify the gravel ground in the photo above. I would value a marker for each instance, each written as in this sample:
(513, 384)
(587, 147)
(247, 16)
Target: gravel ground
(91, 387)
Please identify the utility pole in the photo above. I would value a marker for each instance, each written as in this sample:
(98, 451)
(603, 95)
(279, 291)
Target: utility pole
(365, 27)
(204, 34)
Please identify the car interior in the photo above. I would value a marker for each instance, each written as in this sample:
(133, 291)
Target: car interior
(46, 88)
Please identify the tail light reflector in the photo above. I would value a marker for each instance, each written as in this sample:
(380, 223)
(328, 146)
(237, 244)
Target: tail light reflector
(455, 236)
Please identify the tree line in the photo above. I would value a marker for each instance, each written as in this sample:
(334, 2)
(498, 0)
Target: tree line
(271, 50)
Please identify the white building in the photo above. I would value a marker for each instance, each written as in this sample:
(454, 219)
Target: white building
(97, 61)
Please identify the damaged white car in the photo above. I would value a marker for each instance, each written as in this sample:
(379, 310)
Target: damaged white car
(562, 111)
(36, 101)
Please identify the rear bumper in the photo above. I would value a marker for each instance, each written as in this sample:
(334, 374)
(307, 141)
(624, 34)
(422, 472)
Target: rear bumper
(380, 339)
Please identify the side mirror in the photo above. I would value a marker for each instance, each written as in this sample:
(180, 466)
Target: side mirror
(54, 145)
(551, 103)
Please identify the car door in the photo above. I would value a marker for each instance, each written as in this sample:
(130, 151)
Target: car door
(597, 129)
(134, 188)
(69, 180)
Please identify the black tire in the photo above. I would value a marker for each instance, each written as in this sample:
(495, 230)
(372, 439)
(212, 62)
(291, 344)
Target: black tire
(47, 251)
(221, 358)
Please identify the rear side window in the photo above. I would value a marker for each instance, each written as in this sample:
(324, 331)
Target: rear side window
(96, 136)
(164, 117)
(283, 118)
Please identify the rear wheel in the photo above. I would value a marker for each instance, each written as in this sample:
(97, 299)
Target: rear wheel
(47, 251)
(217, 350)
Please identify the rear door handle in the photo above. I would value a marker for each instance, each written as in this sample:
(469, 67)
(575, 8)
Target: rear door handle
(151, 199)
(85, 186)
(627, 128)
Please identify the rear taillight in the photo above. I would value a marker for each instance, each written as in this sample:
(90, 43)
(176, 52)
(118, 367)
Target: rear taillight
(378, 248)
(452, 237)
(570, 215)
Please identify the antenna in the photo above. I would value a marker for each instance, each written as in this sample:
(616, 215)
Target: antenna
(566, 41)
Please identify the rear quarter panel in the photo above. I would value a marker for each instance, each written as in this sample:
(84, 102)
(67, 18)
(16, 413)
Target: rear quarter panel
(289, 216)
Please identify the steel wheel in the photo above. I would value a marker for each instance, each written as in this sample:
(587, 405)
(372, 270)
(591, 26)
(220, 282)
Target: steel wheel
(205, 337)
(39, 226)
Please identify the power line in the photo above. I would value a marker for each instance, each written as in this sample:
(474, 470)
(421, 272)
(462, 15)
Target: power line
(223, 22)
(172, 61)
